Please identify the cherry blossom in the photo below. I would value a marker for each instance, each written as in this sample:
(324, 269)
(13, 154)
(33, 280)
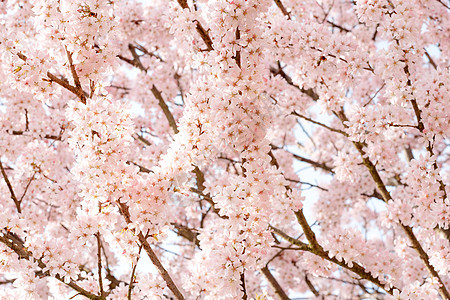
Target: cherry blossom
(229, 149)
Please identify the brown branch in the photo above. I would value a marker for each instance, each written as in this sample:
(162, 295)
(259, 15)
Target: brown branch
(143, 140)
(133, 272)
(401, 125)
(99, 264)
(446, 6)
(47, 136)
(282, 8)
(209, 200)
(141, 168)
(10, 188)
(237, 57)
(145, 51)
(387, 196)
(165, 109)
(65, 84)
(26, 187)
(318, 123)
(302, 246)
(26, 120)
(313, 163)
(309, 92)
(11, 242)
(76, 79)
(310, 235)
(189, 234)
(183, 4)
(274, 284)
(136, 58)
(114, 282)
(316, 249)
(7, 281)
(137, 63)
(131, 62)
(77, 90)
(273, 160)
(311, 286)
(430, 59)
(151, 254)
(203, 34)
(338, 26)
(244, 296)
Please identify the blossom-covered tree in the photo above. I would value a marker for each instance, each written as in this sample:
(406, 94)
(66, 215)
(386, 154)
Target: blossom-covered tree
(157, 149)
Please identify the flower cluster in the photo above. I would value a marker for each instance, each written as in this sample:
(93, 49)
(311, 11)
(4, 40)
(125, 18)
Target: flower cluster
(228, 149)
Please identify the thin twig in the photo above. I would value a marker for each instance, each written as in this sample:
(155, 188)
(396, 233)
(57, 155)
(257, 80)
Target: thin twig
(10, 188)
(338, 26)
(318, 123)
(133, 271)
(27, 186)
(446, 6)
(306, 133)
(313, 163)
(430, 59)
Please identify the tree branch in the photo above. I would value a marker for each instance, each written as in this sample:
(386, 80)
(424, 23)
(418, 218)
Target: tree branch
(274, 284)
(133, 271)
(76, 79)
(203, 34)
(10, 188)
(165, 109)
(65, 84)
(309, 92)
(387, 196)
(21, 251)
(430, 59)
(282, 8)
(319, 251)
(151, 254)
(99, 264)
(318, 123)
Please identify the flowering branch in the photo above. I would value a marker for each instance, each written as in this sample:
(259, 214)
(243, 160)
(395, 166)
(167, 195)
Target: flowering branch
(151, 254)
(21, 251)
(279, 71)
(203, 33)
(316, 249)
(386, 197)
